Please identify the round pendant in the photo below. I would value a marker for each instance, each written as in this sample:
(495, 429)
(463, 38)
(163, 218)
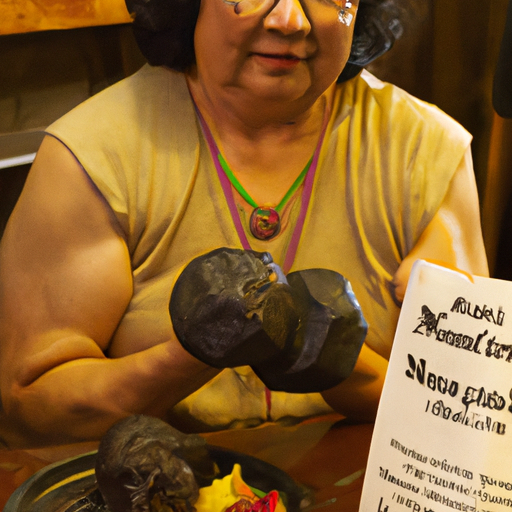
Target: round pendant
(264, 223)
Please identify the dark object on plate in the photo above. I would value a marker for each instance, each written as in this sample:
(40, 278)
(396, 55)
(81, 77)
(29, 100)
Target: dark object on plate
(142, 458)
(301, 333)
(70, 485)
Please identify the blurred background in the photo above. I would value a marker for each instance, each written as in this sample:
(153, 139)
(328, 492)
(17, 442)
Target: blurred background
(56, 53)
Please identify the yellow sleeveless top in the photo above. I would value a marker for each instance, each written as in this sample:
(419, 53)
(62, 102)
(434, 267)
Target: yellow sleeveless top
(384, 169)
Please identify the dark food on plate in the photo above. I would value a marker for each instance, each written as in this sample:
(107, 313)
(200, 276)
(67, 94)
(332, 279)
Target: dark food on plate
(143, 460)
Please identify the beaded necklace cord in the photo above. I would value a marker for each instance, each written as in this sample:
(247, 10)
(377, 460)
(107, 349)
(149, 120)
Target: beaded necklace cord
(228, 193)
(265, 221)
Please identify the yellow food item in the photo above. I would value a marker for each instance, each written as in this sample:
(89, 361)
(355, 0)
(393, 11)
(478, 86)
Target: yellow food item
(225, 492)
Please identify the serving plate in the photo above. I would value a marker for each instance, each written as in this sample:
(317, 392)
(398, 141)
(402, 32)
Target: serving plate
(70, 485)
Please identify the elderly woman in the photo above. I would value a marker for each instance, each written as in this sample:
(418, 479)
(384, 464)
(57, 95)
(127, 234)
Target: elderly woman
(243, 99)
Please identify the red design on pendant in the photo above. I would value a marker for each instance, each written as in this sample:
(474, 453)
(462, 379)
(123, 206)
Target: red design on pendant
(264, 223)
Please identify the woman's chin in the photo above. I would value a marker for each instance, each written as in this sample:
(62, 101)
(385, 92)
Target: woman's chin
(284, 90)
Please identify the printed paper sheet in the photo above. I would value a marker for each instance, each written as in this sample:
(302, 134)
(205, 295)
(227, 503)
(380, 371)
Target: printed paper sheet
(443, 435)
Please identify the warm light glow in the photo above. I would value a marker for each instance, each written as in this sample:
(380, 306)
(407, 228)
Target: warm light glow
(33, 15)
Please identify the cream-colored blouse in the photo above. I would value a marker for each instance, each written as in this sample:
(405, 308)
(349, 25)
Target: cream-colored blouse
(384, 169)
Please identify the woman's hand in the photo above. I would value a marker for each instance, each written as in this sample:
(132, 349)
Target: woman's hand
(65, 281)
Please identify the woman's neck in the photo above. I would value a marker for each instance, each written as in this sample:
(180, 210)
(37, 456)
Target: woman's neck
(255, 117)
(263, 144)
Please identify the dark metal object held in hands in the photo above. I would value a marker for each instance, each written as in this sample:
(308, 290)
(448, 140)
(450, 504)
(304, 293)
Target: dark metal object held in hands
(328, 340)
(229, 309)
(301, 333)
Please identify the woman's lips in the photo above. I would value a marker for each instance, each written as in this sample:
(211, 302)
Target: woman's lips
(282, 61)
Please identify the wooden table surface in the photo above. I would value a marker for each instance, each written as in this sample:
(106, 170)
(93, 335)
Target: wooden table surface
(327, 455)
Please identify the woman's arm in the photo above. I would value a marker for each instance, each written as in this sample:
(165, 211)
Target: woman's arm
(454, 235)
(65, 282)
(452, 238)
(358, 396)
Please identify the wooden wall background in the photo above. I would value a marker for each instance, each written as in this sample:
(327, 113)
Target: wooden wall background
(447, 57)
(18, 16)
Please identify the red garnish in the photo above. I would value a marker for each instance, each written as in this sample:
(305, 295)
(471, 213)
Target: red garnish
(266, 504)
(242, 505)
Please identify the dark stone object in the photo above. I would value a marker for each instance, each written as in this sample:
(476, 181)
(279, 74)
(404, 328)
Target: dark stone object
(229, 309)
(329, 338)
(141, 457)
(300, 334)
(71, 486)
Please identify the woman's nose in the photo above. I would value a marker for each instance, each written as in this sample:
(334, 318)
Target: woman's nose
(288, 17)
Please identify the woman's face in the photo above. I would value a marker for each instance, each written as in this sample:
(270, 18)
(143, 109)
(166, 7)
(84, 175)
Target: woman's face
(282, 50)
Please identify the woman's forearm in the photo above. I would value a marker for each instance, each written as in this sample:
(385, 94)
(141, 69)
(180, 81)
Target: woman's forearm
(80, 399)
(358, 396)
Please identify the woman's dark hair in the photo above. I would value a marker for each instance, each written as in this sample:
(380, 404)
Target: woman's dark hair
(164, 30)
